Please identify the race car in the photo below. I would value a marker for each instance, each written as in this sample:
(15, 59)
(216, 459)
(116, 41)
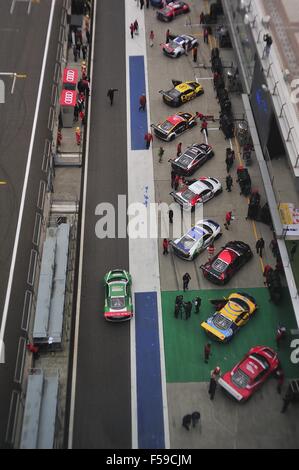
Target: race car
(172, 10)
(193, 157)
(232, 313)
(197, 191)
(118, 297)
(197, 239)
(174, 125)
(250, 373)
(181, 93)
(227, 262)
(177, 44)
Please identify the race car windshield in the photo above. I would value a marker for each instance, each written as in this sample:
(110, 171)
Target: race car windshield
(185, 160)
(187, 242)
(117, 303)
(208, 184)
(240, 379)
(239, 302)
(174, 93)
(188, 195)
(221, 322)
(219, 265)
(261, 359)
(166, 126)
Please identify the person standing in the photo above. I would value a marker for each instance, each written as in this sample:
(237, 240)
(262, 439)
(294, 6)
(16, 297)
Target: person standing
(211, 251)
(280, 379)
(167, 36)
(197, 304)
(280, 334)
(186, 280)
(87, 34)
(195, 418)
(228, 219)
(204, 127)
(188, 310)
(76, 112)
(186, 422)
(132, 30)
(229, 183)
(148, 139)
(293, 250)
(202, 18)
(110, 94)
(84, 51)
(179, 149)
(147, 3)
(161, 153)
(170, 215)
(207, 352)
(260, 244)
(75, 53)
(165, 246)
(176, 182)
(206, 36)
(136, 27)
(172, 178)
(212, 388)
(78, 135)
(142, 102)
(141, 4)
(151, 38)
(194, 53)
(215, 373)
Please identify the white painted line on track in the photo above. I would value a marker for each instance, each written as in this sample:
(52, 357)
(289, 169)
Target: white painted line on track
(25, 184)
(76, 337)
(143, 253)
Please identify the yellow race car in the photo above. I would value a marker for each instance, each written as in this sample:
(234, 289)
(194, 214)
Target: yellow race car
(181, 93)
(231, 314)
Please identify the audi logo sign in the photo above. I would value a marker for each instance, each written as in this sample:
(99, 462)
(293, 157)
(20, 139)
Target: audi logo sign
(70, 76)
(68, 98)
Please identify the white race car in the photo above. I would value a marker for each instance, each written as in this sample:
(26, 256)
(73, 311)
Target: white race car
(197, 239)
(176, 45)
(197, 191)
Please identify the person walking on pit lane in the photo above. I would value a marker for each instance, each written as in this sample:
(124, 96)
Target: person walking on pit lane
(161, 153)
(110, 94)
(229, 183)
(260, 244)
(147, 3)
(141, 4)
(228, 219)
(151, 38)
(188, 310)
(148, 139)
(186, 280)
(186, 422)
(194, 53)
(142, 102)
(176, 182)
(170, 215)
(165, 246)
(212, 388)
(132, 30)
(204, 127)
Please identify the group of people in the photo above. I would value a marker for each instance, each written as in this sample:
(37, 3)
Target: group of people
(184, 309)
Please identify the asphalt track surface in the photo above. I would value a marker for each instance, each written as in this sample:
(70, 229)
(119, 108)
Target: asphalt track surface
(102, 418)
(22, 41)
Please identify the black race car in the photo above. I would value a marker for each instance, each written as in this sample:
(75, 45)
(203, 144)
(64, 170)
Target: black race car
(182, 92)
(227, 262)
(192, 158)
(174, 125)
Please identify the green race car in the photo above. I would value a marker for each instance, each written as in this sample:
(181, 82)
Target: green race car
(118, 297)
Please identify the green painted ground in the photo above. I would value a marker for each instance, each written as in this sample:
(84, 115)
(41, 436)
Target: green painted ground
(184, 340)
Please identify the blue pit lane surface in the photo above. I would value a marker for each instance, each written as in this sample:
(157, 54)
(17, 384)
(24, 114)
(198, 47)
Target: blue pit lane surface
(139, 125)
(148, 372)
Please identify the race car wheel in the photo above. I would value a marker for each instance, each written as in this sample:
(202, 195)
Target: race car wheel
(172, 137)
(218, 192)
(192, 124)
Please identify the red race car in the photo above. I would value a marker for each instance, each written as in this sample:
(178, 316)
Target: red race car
(250, 373)
(172, 10)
